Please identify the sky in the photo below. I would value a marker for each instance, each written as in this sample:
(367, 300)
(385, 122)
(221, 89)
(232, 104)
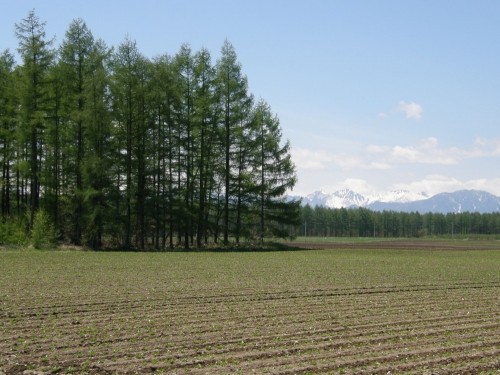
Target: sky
(372, 95)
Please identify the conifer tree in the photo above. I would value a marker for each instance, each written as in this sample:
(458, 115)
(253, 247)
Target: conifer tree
(186, 142)
(235, 101)
(8, 108)
(166, 101)
(76, 68)
(275, 174)
(37, 57)
(98, 156)
(114, 147)
(129, 108)
(55, 153)
(205, 117)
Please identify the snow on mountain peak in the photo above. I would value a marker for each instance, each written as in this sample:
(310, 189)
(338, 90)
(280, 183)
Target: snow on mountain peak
(399, 196)
(337, 199)
(345, 198)
(404, 200)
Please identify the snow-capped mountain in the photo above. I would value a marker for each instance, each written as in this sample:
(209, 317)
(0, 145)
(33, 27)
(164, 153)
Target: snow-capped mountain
(402, 200)
(400, 196)
(459, 201)
(348, 198)
(340, 198)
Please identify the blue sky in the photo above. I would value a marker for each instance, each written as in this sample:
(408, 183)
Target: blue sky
(373, 95)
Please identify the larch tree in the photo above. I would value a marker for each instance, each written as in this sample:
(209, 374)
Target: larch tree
(142, 149)
(98, 157)
(158, 99)
(130, 86)
(166, 99)
(8, 112)
(77, 69)
(37, 57)
(119, 150)
(125, 91)
(235, 101)
(186, 142)
(53, 161)
(205, 118)
(274, 174)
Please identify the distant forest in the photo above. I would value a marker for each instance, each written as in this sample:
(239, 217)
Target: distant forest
(104, 147)
(361, 222)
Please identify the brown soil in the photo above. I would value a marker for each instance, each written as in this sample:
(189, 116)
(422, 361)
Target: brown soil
(420, 328)
(399, 244)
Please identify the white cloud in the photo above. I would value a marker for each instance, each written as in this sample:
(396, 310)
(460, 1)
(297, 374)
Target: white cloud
(392, 165)
(486, 147)
(427, 151)
(321, 159)
(480, 148)
(431, 184)
(429, 143)
(490, 185)
(435, 184)
(399, 153)
(382, 157)
(379, 165)
(376, 149)
(308, 159)
(412, 110)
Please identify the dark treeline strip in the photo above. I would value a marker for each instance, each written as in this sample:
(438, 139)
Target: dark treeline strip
(119, 150)
(361, 222)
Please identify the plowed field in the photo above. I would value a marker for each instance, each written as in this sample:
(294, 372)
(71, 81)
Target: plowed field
(347, 311)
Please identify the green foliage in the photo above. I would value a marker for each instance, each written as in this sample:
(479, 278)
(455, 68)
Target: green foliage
(43, 234)
(120, 150)
(361, 222)
(14, 232)
(33, 90)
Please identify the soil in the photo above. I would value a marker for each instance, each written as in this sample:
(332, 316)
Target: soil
(296, 328)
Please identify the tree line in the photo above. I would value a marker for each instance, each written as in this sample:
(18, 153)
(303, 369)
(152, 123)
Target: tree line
(362, 222)
(114, 149)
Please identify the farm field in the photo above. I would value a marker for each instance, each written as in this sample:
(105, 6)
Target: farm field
(358, 308)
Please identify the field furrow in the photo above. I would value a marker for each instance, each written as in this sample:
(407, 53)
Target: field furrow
(269, 313)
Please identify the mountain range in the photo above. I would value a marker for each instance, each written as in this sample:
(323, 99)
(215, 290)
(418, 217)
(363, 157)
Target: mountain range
(405, 201)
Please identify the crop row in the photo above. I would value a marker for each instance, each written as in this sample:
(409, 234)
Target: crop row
(280, 332)
(284, 313)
